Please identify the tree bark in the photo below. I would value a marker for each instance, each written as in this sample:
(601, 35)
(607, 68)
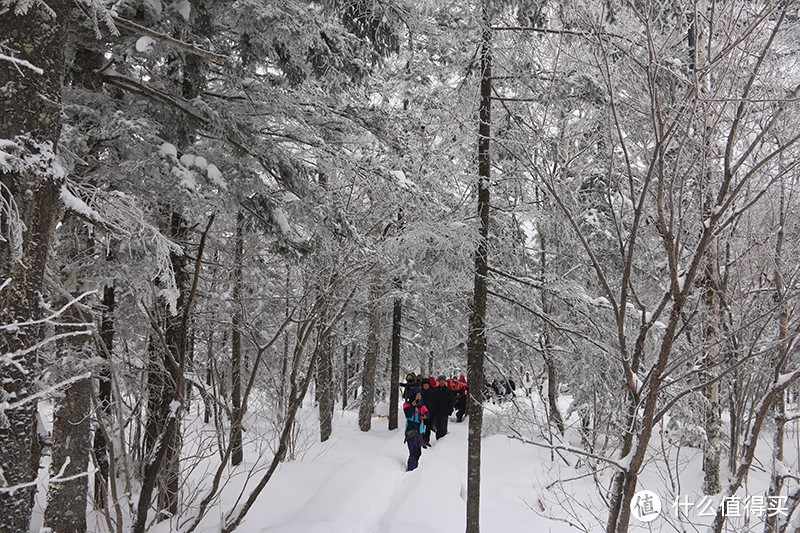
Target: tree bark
(30, 205)
(326, 391)
(370, 361)
(68, 487)
(710, 279)
(713, 409)
(777, 477)
(164, 376)
(176, 337)
(285, 358)
(207, 411)
(237, 454)
(476, 340)
(345, 372)
(66, 500)
(100, 446)
(548, 332)
(325, 387)
(167, 448)
(394, 372)
(397, 330)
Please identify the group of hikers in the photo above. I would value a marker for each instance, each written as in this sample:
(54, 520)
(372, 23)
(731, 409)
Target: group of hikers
(429, 402)
(499, 390)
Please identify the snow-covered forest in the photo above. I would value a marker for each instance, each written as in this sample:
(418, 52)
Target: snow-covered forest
(229, 230)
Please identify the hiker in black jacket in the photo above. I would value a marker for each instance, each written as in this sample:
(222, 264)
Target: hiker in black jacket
(442, 401)
(411, 382)
(427, 399)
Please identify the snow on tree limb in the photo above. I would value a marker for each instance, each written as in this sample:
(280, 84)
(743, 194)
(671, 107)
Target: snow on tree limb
(13, 326)
(21, 63)
(10, 358)
(5, 405)
(78, 207)
(622, 464)
(60, 478)
(16, 228)
(166, 39)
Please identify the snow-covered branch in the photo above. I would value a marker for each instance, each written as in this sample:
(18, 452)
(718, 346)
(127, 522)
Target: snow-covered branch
(7, 406)
(621, 464)
(21, 63)
(15, 326)
(78, 207)
(58, 478)
(10, 358)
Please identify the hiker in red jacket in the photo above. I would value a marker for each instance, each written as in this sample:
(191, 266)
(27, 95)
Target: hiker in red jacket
(461, 397)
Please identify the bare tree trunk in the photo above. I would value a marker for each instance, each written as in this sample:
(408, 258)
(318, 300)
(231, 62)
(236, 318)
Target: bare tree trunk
(166, 451)
(30, 207)
(397, 330)
(237, 454)
(100, 446)
(325, 389)
(713, 418)
(66, 500)
(735, 421)
(476, 339)
(777, 477)
(209, 376)
(174, 352)
(710, 279)
(370, 360)
(345, 373)
(394, 372)
(548, 332)
(552, 386)
(286, 312)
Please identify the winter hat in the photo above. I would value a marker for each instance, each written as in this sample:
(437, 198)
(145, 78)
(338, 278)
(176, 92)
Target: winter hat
(425, 382)
(442, 378)
(462, 376)
(413, 394)
(411, 377)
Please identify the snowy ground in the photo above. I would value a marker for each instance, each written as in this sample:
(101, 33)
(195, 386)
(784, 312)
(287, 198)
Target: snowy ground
(357, 483)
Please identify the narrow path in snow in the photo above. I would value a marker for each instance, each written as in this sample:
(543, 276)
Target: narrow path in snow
(434, 487)
(369, 491)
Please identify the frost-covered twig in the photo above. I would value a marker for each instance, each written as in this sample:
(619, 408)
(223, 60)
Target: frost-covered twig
(10, 358)
(7, 406)
(58, 478)
(8, 208)
(78, 207)
(23, 6)
(21, 63)
(14, 326)
(166, 39)
(620, 464)
(24, 154)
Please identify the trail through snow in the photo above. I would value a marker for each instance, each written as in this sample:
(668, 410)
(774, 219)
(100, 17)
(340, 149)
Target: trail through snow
(356, 482)
(365, 487)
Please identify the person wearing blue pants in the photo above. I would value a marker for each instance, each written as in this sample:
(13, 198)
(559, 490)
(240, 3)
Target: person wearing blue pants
(416, 414)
